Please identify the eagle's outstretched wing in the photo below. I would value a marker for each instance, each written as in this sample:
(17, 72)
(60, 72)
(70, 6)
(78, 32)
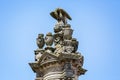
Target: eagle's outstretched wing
(65, 13)
(54, 15)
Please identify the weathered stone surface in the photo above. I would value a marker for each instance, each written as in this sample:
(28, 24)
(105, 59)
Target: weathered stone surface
(61, 61)
(49, 39)
(40, 41)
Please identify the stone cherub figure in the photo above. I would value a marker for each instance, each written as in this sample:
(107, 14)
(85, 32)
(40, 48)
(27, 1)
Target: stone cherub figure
(60, 15)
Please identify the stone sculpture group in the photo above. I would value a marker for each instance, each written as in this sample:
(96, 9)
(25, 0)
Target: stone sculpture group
(60, 61)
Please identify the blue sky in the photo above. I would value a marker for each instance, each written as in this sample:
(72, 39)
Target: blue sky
(96, 25)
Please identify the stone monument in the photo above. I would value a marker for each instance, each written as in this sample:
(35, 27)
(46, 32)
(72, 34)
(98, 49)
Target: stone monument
(60, 61)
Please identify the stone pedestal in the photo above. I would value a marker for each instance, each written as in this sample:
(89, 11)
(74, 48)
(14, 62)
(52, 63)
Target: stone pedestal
(57, 67)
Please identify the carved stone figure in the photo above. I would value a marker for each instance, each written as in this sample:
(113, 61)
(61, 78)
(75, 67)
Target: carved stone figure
(40, 41)
(58, 39)
(49, 39)
(60, 15)
(58, 49)
(75, 44)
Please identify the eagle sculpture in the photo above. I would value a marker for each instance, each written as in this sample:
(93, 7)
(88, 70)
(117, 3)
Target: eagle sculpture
(60, 15)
